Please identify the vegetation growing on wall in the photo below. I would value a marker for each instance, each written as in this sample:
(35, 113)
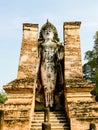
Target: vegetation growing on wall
(3, 97)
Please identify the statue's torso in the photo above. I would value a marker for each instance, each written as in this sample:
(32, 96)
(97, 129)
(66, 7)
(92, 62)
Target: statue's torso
(49, 64)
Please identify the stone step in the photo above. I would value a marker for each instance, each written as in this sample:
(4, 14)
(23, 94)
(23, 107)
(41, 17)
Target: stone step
(51, 118)
(51, 129)
(51, 114)
(54, 115)
(56, 112)
(58, 121)
(52, 125)
(53, 121)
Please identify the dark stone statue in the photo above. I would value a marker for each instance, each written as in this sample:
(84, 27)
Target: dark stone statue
(47, 114)
(50, 52)
(46, 125)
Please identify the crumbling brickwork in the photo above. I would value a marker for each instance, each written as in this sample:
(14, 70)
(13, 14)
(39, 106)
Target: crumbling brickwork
(80, 105)
(73, 64)
(19, 106)
(29, 51)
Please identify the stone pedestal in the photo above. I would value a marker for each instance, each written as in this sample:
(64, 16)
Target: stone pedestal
(46, 126)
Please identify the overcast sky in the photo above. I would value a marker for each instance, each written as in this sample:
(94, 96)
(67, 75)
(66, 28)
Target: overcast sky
(13, 13)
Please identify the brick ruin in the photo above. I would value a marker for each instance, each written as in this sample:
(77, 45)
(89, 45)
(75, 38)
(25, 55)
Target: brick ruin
(81, 108)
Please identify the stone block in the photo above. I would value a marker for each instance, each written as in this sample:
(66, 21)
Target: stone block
(46, 126)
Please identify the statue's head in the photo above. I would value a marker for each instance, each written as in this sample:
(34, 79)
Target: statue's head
(48, 31)
(48, 34)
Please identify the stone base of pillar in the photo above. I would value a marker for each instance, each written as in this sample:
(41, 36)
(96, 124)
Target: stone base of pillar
(46, 126)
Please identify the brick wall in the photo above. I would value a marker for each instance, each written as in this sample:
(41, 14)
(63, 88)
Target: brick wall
(29, 51)
(72, 59)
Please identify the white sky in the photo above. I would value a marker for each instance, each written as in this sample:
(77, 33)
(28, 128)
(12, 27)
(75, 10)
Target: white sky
(13, 13)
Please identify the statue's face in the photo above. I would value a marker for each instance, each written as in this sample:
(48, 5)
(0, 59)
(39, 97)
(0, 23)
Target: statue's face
(48, 34)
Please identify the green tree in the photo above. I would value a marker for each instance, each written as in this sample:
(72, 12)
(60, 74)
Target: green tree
(92, 61)
(3, 97)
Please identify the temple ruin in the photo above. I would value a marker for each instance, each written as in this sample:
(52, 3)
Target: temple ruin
(75, 108)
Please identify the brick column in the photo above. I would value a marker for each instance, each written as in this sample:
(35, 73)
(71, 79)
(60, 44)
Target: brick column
(19, 106)
(73, 65)
(29, 50)
(77, 90)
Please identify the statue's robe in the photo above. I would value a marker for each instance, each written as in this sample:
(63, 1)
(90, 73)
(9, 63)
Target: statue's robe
(50, 69)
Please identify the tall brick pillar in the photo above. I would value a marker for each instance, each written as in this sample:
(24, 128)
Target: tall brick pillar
(19, 107)
(73, 65)
(77, 90)
(28, 55)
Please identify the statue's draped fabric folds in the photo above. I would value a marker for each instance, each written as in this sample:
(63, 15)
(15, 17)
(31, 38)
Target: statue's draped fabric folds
(49, 70)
